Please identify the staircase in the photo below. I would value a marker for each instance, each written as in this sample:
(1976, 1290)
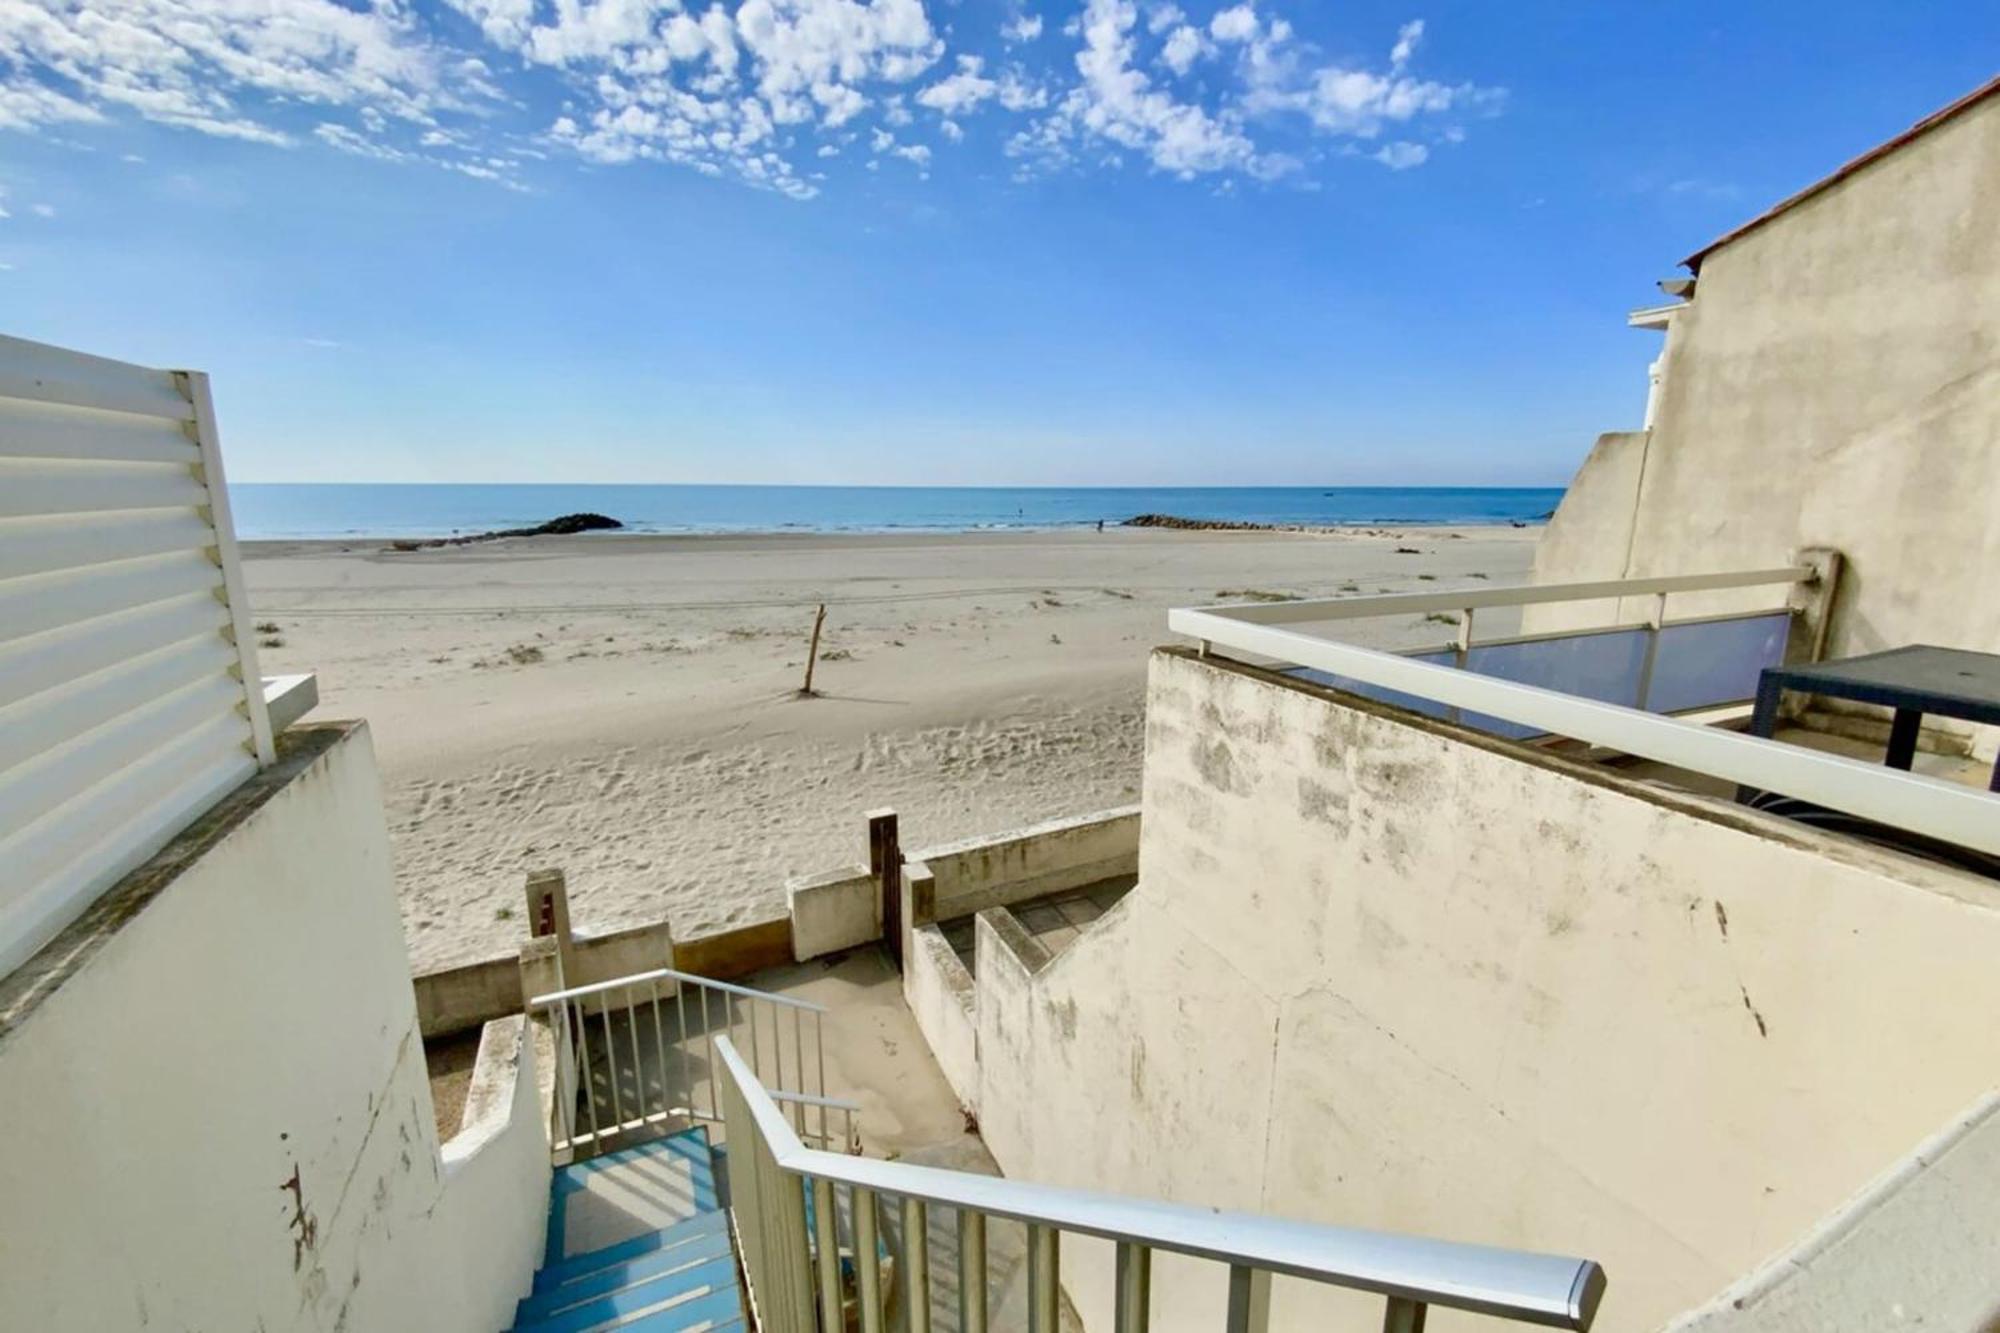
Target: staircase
(637, 1239)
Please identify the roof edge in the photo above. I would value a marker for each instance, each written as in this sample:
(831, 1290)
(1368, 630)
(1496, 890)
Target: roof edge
(1785, 205)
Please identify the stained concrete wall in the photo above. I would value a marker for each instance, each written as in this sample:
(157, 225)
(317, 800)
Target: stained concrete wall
(217, 1110)
(1590, 536)
(998, 871)
(1918, 1246)
(939, 993)
(1836, 383)
(1382, 972)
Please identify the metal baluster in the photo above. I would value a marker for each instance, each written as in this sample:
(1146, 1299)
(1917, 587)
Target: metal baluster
(1404, 1316)
(708, 1031)
(1249, 1299)
(799, 1064)
(659, 1047)
(1656, 620)
(756, 1059)
(971, 1271)
(638, 1074)
(819, 1047)
(867, 1268)
(687, 1061)
(1135, 1287)
(916, 1272)
(826, 1235)
(1044, 1278)
(611, 1062)
(583, 1068)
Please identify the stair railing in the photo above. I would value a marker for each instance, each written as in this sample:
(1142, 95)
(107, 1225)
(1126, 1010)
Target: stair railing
(792, 1253)
(637, 1054)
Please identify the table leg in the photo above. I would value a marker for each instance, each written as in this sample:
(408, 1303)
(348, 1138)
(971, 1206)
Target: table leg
(1763, 721)
(1903, 738)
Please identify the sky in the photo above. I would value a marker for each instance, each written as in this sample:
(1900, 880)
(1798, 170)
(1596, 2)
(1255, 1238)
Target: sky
(1107, 242)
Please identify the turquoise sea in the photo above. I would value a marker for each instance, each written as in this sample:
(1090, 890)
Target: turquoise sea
(267, 511)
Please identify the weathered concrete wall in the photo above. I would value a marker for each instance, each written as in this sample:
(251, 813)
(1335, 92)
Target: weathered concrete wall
(1591, 534)
(1919, 1245)
(833, 911)
(217, 1108)
(984, 872)
(1384, 973)
(939, 993)
(1837, 383)
(491, 1222)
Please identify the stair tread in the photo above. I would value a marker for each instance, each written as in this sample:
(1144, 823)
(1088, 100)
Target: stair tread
(691, 1231)
(713, 1282)
(655, 1270)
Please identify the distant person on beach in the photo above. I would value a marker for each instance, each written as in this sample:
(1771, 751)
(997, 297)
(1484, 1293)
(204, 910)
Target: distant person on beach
(1100, 525)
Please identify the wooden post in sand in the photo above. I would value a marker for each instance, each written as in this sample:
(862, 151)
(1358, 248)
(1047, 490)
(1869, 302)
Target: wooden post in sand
(812, 653)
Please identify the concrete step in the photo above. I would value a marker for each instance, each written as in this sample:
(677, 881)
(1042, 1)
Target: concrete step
(703, 1307)
(659, 1271)
(652, 1243)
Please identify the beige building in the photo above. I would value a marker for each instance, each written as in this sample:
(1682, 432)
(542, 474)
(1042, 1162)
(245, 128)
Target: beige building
(1834, 382)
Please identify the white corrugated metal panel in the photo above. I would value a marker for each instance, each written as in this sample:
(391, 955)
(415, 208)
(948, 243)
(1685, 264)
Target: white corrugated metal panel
(124, 637)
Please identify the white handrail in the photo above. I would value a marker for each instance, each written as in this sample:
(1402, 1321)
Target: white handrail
(1537, 1288)
(668, 974)
(1928, 806)
(1474, 599)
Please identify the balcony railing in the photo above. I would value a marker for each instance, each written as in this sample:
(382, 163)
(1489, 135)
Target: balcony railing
(640, 1054)
(789, 1225)
(1614, 687)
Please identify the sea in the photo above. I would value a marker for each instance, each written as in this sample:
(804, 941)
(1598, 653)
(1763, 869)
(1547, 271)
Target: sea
(271, 511)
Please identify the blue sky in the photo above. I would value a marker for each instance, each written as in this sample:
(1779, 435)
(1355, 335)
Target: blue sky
(826, 241)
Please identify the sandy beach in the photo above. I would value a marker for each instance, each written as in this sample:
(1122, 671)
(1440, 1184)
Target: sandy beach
(626, 707)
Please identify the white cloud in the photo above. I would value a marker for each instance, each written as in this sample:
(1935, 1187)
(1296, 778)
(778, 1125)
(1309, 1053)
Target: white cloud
(43, 210)
(1407, 38)
(1236, 24)
(962, 91)
(748, 89)
(1021, 28)
(1185, 45)
(1402, 155)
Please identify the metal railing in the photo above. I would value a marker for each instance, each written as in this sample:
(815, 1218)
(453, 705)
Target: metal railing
(641, 1051)
(785, 1197)
(1922, 805)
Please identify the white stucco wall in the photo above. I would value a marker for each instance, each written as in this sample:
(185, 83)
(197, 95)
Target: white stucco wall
(251, 1024)
(1837, 383)
(1382, 973)
(1590, 536)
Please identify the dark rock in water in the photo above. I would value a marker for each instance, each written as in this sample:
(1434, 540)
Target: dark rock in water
(566, 526)
(1195, 524)
(569, 524)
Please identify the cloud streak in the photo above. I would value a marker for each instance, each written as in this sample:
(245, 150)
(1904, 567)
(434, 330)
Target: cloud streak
(754, 90)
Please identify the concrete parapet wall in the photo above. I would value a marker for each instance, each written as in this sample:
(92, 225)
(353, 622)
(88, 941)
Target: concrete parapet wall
(1383, 972)
(978, 873)
(1919, 1245)
(833, 911)
(939, 993)
(218, 1111)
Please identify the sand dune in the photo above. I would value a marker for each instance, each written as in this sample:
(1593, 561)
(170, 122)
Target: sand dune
(626, 707)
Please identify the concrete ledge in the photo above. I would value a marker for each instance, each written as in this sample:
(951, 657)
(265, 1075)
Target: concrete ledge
(461, 998)
(939, 993)
(835, 910)
(1006, 935)
(977, 873)
(1918, 1243)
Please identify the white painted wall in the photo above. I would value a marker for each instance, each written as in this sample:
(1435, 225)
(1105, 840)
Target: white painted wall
(997, 871)
(1381, 973)
(249, 1021)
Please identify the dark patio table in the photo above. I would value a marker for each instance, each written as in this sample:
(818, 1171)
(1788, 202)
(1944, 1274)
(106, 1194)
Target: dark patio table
(1919, 679)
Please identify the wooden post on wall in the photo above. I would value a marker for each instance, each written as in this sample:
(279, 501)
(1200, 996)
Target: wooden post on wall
(548, 914)
(885, 863)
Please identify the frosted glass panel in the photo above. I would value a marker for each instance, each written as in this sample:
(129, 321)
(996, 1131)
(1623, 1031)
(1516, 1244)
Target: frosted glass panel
(1717, 662)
